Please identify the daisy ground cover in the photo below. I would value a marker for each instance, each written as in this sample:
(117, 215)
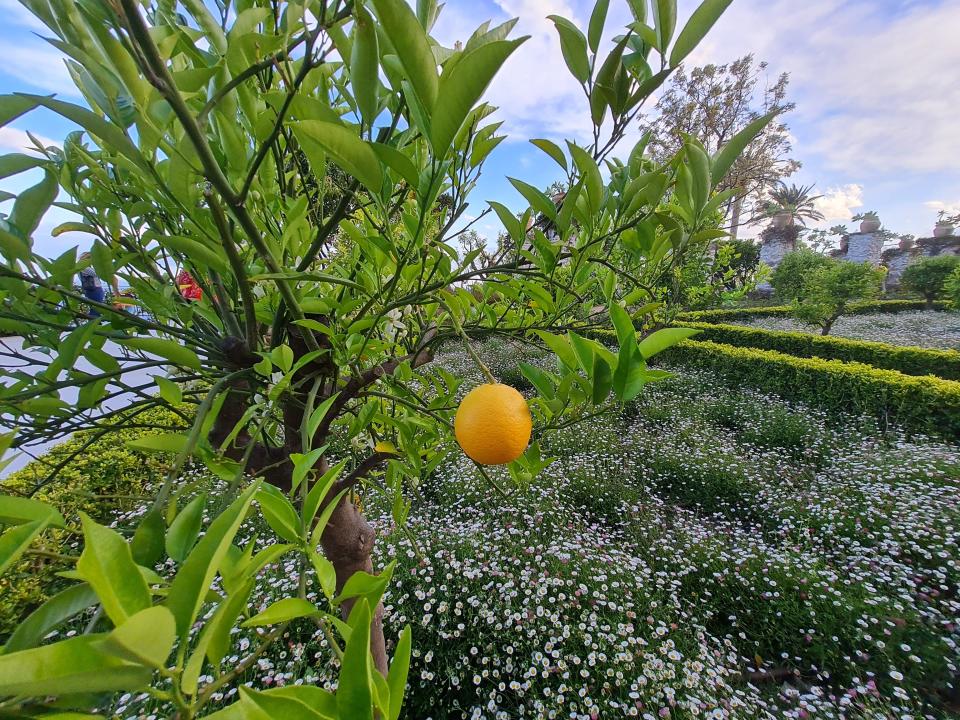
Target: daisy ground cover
(705, 551)
(929, 329)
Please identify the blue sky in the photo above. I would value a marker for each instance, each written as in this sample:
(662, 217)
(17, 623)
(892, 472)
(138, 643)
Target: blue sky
(876, 124)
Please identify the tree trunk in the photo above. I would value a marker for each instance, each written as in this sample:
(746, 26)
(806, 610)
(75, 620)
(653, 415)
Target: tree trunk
(735, 217)
(347, 542)
(930, 299)
(827, 326)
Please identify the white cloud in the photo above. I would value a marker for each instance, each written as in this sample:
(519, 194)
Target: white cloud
(39, 65)
(945, 205)
(14, 140)
(838, 203)
(875, 83)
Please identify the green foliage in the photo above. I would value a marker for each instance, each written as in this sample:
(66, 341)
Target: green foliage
(908, 360)
(829, 290)
(951, 289)
(790, 277)
(928, 276)
(925, 404)
(752, 313)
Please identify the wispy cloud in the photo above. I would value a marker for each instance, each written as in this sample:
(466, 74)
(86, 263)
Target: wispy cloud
(839, 203)
(15, 140)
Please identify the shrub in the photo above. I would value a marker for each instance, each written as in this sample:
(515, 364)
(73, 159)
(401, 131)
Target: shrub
(908, 360)
(925, 404)
(928, 276)
(790, 277)
(951, 289)
(829, 291)
(856, 308)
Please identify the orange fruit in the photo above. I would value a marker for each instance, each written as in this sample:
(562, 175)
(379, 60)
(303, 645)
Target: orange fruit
(493, 424)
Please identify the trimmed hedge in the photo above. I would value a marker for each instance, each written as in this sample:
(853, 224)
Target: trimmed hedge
(926, 404)
(860, 308)
(909, 360)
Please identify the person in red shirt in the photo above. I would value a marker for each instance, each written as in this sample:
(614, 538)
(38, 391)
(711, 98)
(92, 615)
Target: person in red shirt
(188, 286)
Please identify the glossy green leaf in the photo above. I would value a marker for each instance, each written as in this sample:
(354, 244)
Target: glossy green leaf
(15, 163)
(354, 695)
(583, 350)
(602, 379)
(364, 65)
(145, 638)
(279, 513)
(590, 172)
(326, 574)
(696, 29)
(185, 529)
(724, 159)
(160, 443)
(597, 19)
(363, 584)
(561, 347)
(397, 161)
(346, 148)
(319, 491)
(169, 390)
(662, 339)
(189, 587)
(75, 665)
(573, 45)
(553, 150)
(13, 106)
(626, 334)
(537, 199)
(665, 21)
(397, 675)
(629, 377)
(17, 510)
(214, 641)
(283, 611)
(16, 540)
(46, 618)
(32, 203)
(106, 563)
(147, 545)
(195, 252)
(170, 350)
(462, 86)
(413, 48)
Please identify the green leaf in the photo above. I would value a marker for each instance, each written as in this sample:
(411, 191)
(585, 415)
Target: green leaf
(727, 155)
(166, 349)
(147, 545)
(185, 529)
(17, 510)
(279, 513)
(363, 584)
(303, 463)
(354, 696)
(346, 148)
(628, 378)
(461, 88)
(626, 333)
(538, 200)
(510, 222)
(699, 165)
(195, 252)
(553, 150)
(283, 611)
(696, 29)
(326, 574)
(32, 203)
(318, 414)
(397, 161)
(573, 45)
(364, 65)
(319, 491)
(583, 350)
(15, 163)
(397, 675)
(16, 540)
(413, 48)
(111, 137)
(602, 379)
(590, 172)
(665, 21)
(324, 518)
(597, 18)
(294, 702)
(214, 641)
(539, 379)
(189, 587)
(169, 390)
(46, 618)
(662, 339)
(76, 665)
(13, 106)
(560, 346)
(161, 443)
(107, 565)
(145, 638)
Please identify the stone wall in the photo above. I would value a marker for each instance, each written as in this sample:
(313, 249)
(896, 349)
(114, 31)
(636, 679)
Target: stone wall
(896, 261)
(864, 248)
(775, 243)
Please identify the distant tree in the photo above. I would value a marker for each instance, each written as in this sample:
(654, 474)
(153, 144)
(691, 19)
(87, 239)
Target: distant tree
(789, 279)
(928, 276)
(951, 289)
(713, 103)
(829, 290)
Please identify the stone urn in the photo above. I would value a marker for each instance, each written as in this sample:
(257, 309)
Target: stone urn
(870, 225)
(943, 229)
(906, 244)
(782, 220)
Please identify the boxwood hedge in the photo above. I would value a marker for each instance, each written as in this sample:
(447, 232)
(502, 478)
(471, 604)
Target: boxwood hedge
(860, 308)
(908, 360)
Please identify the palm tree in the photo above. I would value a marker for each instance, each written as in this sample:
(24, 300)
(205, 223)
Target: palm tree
(793, 200)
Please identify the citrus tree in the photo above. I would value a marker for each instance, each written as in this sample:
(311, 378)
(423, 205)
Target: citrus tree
(309, 165)
(829, 290)
(928, 276)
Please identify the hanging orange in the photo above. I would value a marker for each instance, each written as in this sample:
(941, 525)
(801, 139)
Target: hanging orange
(493, 424)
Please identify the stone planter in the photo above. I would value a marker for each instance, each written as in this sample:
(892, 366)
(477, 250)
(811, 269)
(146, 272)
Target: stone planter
(869, 226)
(943, 229)
(782, 220)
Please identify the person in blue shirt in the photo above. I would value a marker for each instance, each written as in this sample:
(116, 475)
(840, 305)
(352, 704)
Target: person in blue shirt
(90, 285)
